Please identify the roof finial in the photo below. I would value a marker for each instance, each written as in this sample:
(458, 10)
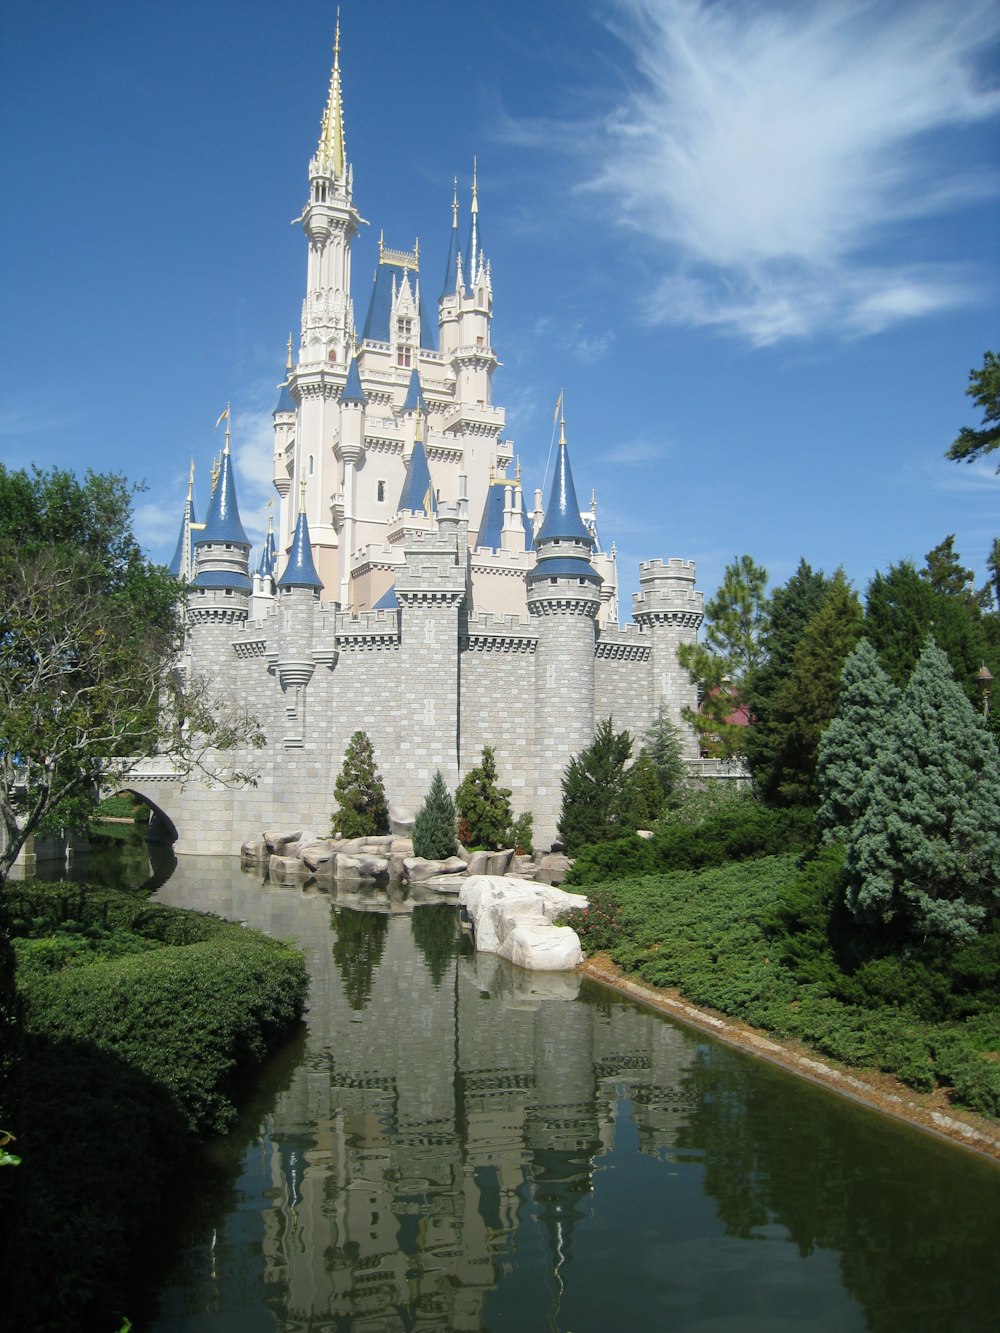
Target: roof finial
(517, 470)
(191, 481)
(562, 419)
(332, 153)
(475, 186)
(270, 516)
(454, 207)
(302, 496)
(288, 361)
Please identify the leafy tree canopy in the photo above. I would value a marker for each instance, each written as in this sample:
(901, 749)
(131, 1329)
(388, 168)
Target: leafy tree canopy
(984, 390)
(944, 571)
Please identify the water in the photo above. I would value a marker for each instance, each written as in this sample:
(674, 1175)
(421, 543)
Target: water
(455, 1144)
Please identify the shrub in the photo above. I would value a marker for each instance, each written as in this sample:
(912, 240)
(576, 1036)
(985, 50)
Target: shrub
(595, 801)
(360, 794)
(598, 924)
(620, 859)
(483, 807)
(434, 826)
(521, 833)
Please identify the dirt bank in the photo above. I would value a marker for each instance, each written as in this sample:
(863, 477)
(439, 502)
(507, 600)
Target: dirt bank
(928, 1111)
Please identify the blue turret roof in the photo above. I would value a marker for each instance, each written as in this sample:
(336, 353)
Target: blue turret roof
(223, 578)
(181, 559)
(418, 493)
(450, 283)
(562, 514)
(388, 601)
(286, 403)
(222, 523)
(491, 526)
(380, 306)
(353, 392)
(414, 395)
(300, 572)
(265, 567)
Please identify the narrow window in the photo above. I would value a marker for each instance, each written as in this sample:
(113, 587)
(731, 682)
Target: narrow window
(380, 491)
(311, 464)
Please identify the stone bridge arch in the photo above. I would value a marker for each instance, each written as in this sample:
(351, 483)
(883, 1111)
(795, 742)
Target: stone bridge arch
(162, 826)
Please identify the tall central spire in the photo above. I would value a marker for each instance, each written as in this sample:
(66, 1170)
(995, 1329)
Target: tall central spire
(331, 155)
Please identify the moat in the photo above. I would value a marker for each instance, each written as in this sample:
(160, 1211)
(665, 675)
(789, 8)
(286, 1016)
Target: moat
(452, 1143)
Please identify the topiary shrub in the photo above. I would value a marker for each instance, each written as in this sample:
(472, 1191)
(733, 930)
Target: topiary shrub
(434, 826)
(362, 811)
(484, 808)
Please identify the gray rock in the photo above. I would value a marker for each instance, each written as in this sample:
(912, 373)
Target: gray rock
(418, 869)
(499, 862)
(285, 869)
(361, 867)
(542, 947)
(274, 841)
(315, 854)
(401, 819)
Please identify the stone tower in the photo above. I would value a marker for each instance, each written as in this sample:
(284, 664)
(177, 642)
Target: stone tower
(670, 610)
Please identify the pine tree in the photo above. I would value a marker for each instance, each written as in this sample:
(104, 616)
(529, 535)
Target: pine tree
(944, 571)
(434, 826)
(483, 807)
(595, 804)
(663, 743)
(644, 794)
(924, 855)
(849, 745)
(362, 810)
(807, 701)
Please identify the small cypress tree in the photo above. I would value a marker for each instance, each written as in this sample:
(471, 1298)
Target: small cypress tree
(360, 794)
(851, 742)
(595, 804)
(483, 807)
(434, 826)
(924, 855)
(663, 743)
(645, 795)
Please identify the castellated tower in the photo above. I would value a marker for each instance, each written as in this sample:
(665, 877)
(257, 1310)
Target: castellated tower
(564, 594)
(218, 599)
(670, 611)
(298, 593)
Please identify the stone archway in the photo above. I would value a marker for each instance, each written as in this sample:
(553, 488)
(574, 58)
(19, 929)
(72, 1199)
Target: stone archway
(161, 827)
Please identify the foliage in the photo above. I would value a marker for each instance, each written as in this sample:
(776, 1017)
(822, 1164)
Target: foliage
(88, 630)
(434, 826)
(362, 809)
(792, 607)
(595, 802)
(736, 620)
(522, 832)
(599, 862)
(807, 701)
(851, 742)
(984, 390)
(665, 746)
(924, 853)
(944, 570)
(435, 932)
(484, 808)
(644, 794)
(358, 951)
(597, 924)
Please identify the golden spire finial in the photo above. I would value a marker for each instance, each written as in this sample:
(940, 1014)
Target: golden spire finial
(332, 152)
(381, 244)
(454, 207)
(288, 360)
(216, 471)
(493, 473)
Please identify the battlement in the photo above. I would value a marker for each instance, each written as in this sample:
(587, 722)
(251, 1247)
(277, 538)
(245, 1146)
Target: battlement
(623, 643)
(667, 594)
(498, 634)
(367, 630)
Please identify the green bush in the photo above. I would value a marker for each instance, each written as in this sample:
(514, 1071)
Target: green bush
(484, 811)
(603, 861)
(434, 827)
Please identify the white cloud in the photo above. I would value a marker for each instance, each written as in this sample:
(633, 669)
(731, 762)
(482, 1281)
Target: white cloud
(253, 450)
(634, 451)
(772, 150)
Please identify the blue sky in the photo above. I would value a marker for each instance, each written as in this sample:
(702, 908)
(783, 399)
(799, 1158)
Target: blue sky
(756, 243)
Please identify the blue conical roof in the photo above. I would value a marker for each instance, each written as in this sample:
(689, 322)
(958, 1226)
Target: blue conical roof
(222, 523)
(490, 534)
(181, 560)
(414, 395)
(418, 493)
(450, 283)
(353, 392)
(265, 567)
(286, 403)
(300, 572)
(388, 601)
(562, 514)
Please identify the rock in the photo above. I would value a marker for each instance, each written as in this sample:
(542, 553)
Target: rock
(646, 833)
(275, 841)
(361, 867)
(478, 862)
(284, 869)
(542, 948)
(401, 846)
(252, 853)
(401, 819)
(499, 862)
(315, 854)
(553, 867)
(418, 869)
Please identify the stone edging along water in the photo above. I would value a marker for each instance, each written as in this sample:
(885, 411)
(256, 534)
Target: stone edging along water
(876, 1091)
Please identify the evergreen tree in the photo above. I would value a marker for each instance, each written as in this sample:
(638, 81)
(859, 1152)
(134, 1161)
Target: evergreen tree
(665, 747)
(849, 745)
(736, 620)
(358, 951)
(484, 808)
(807, 701)
(792, 607)
(984, 390)
(924, 854)
(595, 804)
(362, 809)
(644, 793)
(944, 570)
(434, 826)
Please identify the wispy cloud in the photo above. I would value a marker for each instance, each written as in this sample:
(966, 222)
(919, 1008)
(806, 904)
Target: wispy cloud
(634, 451)
(778, 154)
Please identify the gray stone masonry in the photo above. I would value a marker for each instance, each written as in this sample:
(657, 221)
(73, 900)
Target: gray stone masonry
(670, 611)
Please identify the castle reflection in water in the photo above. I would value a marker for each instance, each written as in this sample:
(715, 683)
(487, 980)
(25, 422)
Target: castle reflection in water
(445, 1101)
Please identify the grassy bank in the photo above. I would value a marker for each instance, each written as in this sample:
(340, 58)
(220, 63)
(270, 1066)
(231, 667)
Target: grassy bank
(138, 1024)
(764, 940)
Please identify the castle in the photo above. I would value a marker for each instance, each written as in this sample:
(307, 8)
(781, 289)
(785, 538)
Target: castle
(409, 590)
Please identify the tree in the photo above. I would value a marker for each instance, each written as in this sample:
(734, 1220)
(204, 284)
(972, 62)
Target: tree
(88, 638)
(362, 809)
(851, 742)
(944, 570)
(484, 808)
(434, 826)
(984, 390)
(644, 794)
(595, 803)
(736, 620)
(807, 701)
(793, 605)
(665, 747)
(924, 853)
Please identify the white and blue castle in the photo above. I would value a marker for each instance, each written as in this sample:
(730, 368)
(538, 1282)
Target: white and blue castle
(410, 590)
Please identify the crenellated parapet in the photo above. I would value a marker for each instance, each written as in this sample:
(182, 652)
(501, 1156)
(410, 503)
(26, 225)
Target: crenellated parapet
(497, 634)
(667, 594)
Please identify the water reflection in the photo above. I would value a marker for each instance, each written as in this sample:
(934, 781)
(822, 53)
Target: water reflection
(462, 1145)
